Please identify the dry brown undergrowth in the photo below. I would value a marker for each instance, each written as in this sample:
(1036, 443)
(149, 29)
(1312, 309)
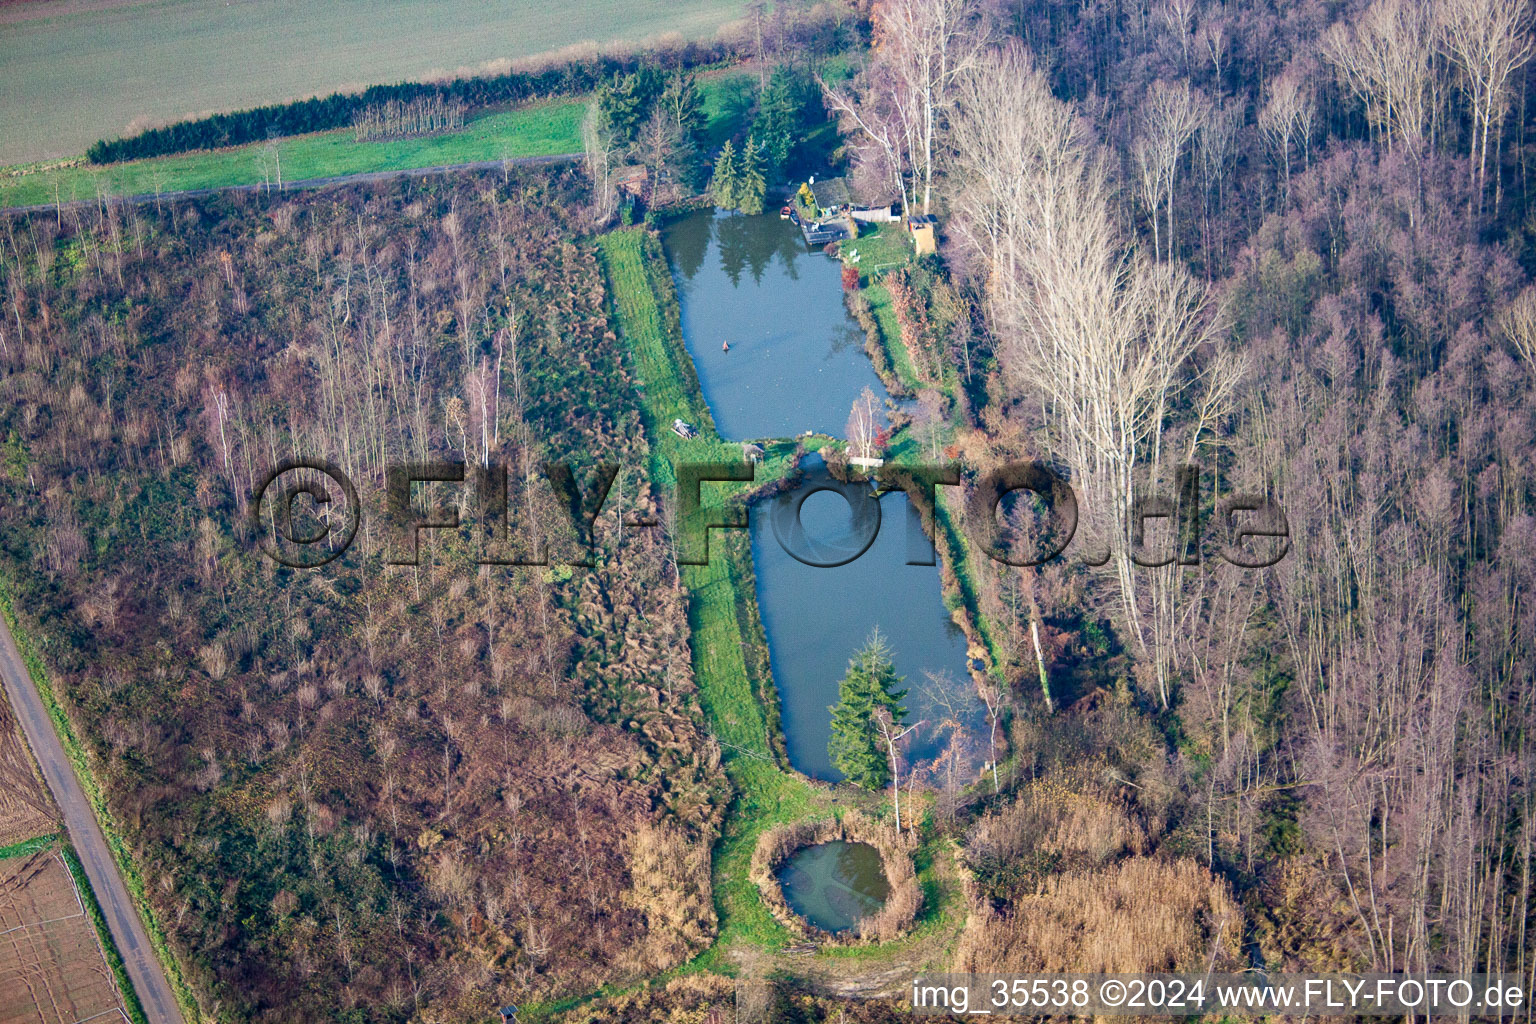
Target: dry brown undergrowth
(1142, 914)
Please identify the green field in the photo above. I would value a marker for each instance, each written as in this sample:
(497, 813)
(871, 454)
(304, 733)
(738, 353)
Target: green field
(542, 129)
(76, 71)
(539, 130)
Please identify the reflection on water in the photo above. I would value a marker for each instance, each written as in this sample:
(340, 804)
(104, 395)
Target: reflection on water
(834, 885)
(816, 618)
(796, 359)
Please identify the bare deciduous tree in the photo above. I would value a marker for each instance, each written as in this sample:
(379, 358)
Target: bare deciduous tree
(1169, 119)
(600, 148)
(1287, 119)
(1384, 60)
(923, 48)
(1488, 40)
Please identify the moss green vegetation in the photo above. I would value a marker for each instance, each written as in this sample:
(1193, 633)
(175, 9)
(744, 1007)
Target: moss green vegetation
(962, 561)
(120, 853)
(27, 846)
(130, 998)
(890, 331)
(733, 686)
(881, 247)
(545, 129)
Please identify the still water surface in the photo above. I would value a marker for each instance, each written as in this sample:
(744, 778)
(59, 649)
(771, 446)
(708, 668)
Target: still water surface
(796, 359)
(834, 885)
(816, 619)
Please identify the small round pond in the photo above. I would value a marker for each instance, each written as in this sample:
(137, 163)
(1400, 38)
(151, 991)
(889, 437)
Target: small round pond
(834, 885)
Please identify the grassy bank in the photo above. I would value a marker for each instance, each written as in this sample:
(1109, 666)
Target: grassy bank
(120, 852)
(544, 129)
(27, 846)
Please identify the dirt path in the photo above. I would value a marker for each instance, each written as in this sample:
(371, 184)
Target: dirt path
(313, 183)
(122, 918)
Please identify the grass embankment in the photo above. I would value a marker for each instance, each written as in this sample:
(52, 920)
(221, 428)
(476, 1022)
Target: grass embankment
(719, 592)
(730, 699)
(954, 545)
(27, 846)
(884, 312)
(544, 129)
(120, 852)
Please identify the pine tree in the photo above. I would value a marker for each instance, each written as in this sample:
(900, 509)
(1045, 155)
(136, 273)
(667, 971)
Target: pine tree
(751, 185)
(723, 185)
(870, 684)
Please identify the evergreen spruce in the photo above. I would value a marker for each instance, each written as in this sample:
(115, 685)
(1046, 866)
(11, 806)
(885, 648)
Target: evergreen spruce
(723, 185)
(871, 681)
(751, 185)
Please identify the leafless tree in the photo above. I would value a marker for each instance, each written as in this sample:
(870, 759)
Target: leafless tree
(1488, 41)
(864, 425)
(600, 148)
(1287, 119)
(923, 48)
(1518, 323)
(1169, 118)
(1384, 60)
(891, 733)
(1101, 335)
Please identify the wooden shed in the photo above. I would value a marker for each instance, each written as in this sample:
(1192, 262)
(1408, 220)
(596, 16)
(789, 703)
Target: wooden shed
(923, 227)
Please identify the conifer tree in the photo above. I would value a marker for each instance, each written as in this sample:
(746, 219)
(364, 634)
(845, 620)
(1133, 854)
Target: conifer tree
(869, 685)
(751, 184)
(723, 185)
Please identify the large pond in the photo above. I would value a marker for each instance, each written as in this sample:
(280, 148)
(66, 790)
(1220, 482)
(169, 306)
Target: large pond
(835, 885)
(796, 359)
(816, 618)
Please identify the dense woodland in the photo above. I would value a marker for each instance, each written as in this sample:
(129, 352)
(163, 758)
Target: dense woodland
(1288, 242)
(401, 789)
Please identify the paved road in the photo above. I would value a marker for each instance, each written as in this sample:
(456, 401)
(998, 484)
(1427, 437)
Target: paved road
(312, 183)
(122, 919)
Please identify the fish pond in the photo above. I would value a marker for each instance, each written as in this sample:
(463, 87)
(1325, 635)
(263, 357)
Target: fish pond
(834, 885)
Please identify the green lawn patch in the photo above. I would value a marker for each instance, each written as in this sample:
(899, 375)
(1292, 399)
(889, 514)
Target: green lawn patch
(544, 129)
(27, 846)
(881, 247)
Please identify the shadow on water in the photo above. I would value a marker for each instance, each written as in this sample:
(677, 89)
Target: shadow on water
(816, 618)
(796, 359)
(834, 885)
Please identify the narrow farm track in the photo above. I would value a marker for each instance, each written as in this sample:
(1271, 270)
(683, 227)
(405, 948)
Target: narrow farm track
(116, 905)
(362, 177)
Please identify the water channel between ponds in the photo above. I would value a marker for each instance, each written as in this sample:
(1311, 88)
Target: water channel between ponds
(796, 362)
(834, 885)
